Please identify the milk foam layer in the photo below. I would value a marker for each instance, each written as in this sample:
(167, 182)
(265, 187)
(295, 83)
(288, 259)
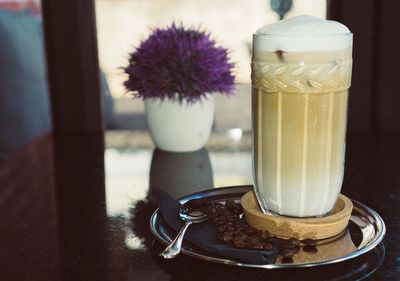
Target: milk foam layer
(302, 34)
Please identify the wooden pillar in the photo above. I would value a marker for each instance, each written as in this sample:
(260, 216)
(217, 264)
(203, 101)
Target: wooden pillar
(361, 91)
(374, 98)
(73, 72)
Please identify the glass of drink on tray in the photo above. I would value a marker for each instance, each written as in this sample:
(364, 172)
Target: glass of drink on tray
(301, 73)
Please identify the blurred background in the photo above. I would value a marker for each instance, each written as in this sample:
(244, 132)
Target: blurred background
(122, 24)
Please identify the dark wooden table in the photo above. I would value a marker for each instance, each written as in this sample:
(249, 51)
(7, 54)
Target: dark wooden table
(112, 241)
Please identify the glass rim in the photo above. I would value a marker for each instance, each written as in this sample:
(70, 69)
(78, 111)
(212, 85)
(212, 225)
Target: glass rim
(302, 35)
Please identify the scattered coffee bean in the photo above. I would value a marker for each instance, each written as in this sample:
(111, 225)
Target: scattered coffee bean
(222, 212)
(267, 246)
(237, 211)
(230, 204)
(227, 237)
(220, 236)
(220, 209)
(286, 252)
(220, 205)
(242, 227)
(287, 260)
(240, 235)
(219, 220)
(240, 243)
(233, 207)
(265, 234)
(294, 241)
(231, 218)
(258, 246)
(309, 242)
(310, 249)
(286, 244)
(228, 227)
(231, 229)
(252, 231)
(221, 228)
(254, 240)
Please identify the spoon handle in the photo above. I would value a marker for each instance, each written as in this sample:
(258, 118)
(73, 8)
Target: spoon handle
(175, 247)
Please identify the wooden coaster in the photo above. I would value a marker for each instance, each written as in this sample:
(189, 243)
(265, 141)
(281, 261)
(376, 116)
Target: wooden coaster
(301, 228)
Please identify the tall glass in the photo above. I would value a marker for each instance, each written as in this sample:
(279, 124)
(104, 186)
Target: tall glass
(299, 116)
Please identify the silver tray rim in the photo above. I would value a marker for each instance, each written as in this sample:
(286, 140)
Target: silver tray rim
(373, 217)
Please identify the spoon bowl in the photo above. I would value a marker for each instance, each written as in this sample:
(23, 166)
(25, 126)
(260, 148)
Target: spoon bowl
(193, 211)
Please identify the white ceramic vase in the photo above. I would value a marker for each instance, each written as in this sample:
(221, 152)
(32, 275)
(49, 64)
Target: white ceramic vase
(178, 126)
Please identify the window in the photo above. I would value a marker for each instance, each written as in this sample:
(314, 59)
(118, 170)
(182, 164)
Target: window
(122, 24)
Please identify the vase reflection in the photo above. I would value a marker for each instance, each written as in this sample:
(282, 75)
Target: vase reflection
(181, 173)
(178, 174)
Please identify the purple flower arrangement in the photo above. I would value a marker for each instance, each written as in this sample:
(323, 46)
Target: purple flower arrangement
(179, 63)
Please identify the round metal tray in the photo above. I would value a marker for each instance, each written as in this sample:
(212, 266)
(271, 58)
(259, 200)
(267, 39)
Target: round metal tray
(366, 230)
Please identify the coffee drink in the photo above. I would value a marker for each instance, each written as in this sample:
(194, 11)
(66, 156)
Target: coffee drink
(301, 72)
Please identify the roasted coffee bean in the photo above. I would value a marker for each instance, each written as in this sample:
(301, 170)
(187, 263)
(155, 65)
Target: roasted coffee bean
(287, 260)
(220, 236)
(286, 244)
(254, 240)
(267, 246)
(227, 237)
(226, 213)
(286, 252)
(252, 231)
(222, 211)
(232, 218)
(242, 227)
(230, 204)
(310, 249)
(240, 243)
(222, 228)
(258, 246)
(309, 242)
(240, 235)
(265, 234)
(220, 205)
(233, 207)
(294, 241)
(229, 228)
(236, 211)
(219, 220)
